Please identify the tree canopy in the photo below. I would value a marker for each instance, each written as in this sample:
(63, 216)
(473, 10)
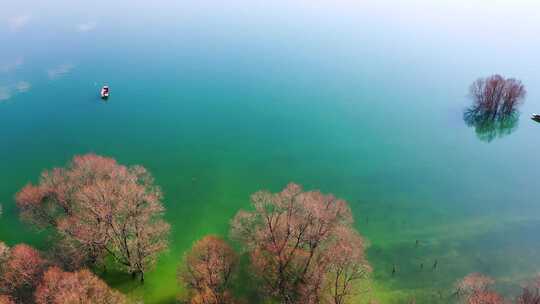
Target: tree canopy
(99, 208)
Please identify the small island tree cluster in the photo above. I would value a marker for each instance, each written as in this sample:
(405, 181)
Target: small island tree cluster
(302, 249)
(496, 95)
(493, 112)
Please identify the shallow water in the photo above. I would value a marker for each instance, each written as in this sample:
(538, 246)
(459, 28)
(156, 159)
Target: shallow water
(363, 100)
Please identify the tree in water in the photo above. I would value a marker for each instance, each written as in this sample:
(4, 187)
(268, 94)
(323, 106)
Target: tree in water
(475, 288)
(529, 296)
(81, 287)
(99, 208)
(530, 293)
(346, 265)
(486, 297)
(20, 272)
(494, 109)
(207, 271)
(302, 245)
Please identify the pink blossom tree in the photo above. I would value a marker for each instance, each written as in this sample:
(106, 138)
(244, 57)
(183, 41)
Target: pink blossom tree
(485, 297)
(346, 265)
(291, 237)
(474, 282)
(99, 208)
(207, 271)
(20, 272)
(81, 287)
(475, 288)
(529, 296)
(530, 293)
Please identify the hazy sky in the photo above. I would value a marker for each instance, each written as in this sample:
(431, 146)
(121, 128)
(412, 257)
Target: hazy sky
(510, 27)
(17, 15)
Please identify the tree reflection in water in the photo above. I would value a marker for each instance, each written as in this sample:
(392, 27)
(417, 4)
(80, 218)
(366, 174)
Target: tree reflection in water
(487, 127)
(494, 112)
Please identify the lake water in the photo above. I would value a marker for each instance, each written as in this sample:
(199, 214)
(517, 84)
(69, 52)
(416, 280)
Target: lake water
(363, 99)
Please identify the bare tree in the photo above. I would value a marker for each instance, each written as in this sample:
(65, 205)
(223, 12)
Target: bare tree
(81, 287)
(100, 208)
(494, 109)
(288, 236)
(207, 272)
(473, 282)
(475, 288)
(529, 296)
(514, 92)
(346, 265)
(530, 293)
(20, 272)
(485, 297)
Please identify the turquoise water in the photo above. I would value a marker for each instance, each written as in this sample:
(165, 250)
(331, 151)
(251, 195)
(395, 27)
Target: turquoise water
(218, 100)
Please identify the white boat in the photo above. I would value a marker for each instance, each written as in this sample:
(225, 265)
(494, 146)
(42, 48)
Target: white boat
(105, 92)
(535, 117)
